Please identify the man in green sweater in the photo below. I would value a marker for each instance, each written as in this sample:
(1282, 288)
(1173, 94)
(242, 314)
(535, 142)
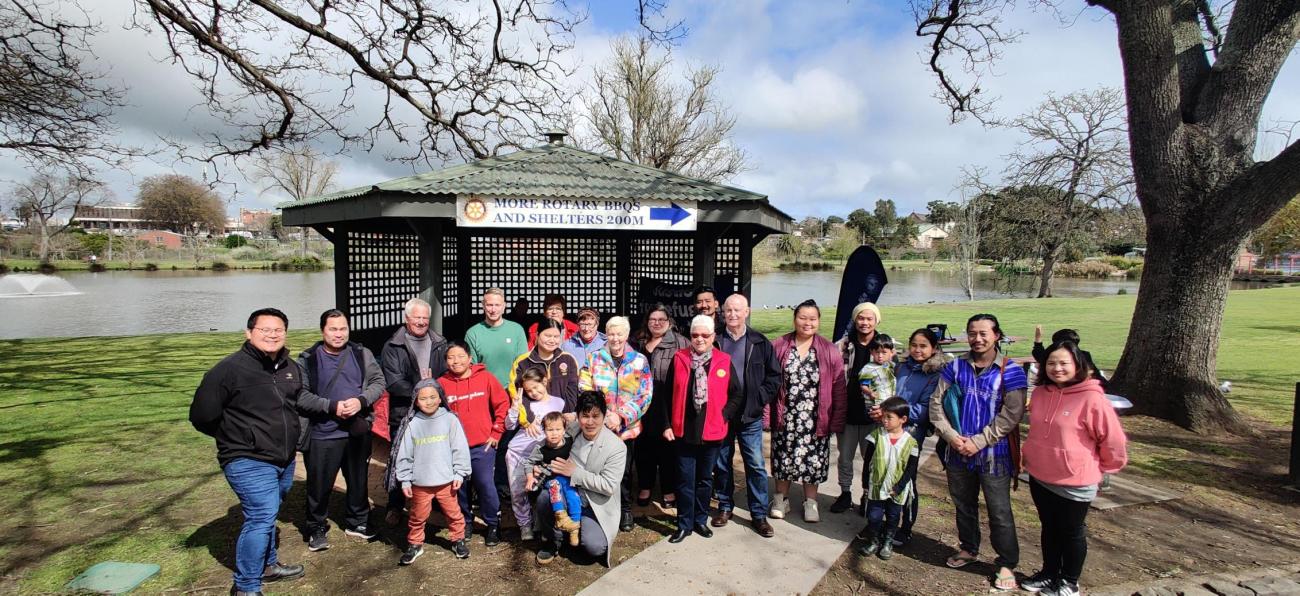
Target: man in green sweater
(496, 343)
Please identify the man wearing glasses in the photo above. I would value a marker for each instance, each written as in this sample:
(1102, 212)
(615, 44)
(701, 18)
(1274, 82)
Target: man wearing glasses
(249, 402)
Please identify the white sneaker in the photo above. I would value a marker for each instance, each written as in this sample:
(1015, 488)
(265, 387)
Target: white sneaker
(780, 506)
(810, 514)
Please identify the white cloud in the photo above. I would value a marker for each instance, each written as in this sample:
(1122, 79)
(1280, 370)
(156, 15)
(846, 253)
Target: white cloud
(812, 99)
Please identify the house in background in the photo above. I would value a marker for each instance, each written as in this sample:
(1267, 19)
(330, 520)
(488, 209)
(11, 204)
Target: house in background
(161, 239)
(927, 235)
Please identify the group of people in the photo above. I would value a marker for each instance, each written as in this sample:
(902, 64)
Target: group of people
(572, 427)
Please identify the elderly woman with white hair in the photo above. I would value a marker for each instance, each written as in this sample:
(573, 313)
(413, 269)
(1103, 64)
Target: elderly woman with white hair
(623, 376)
(705, 402)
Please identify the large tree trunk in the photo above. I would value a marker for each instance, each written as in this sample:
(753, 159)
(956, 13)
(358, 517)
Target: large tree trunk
(43, 248)
(1168, 367)
(1045, 274)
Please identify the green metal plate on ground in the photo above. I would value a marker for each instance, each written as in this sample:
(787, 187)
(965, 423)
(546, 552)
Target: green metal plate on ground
(112, 577)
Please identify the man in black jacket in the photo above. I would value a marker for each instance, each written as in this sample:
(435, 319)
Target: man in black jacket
(414, 352)
(249, 402)
(759, 375)
(345, 373)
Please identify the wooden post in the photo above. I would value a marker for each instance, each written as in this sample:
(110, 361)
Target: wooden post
(626, 303)
(1295, 439)
(342, 299)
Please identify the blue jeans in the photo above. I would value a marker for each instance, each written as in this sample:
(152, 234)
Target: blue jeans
(482, 479)
(883, 515)
(565, 497)
(751, 453)
(261, 487)
(695, 465)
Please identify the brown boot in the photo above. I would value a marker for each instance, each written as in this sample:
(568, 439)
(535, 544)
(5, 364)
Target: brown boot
(565, 523)
(573, 538)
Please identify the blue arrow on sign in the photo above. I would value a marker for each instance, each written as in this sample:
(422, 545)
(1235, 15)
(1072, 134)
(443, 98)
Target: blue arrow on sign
(673, 214)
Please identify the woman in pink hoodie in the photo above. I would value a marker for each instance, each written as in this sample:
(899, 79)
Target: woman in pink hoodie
(1074, 438)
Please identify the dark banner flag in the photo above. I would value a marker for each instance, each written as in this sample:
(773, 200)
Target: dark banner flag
(864, 279)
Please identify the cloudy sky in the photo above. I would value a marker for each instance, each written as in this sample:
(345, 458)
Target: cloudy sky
(833, 103)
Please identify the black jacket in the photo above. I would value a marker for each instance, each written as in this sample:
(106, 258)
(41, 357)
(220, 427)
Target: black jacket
(402, 372)
(250, 402)
(762, 374)
(373, 374)
(655, 419)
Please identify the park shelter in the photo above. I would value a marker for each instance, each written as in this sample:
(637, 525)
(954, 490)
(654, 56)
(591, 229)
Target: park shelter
(549, 219)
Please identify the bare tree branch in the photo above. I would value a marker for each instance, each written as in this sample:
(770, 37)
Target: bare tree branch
(972, 33)
(460, 80)
(55, 106)
(51, 195)
(638, 115)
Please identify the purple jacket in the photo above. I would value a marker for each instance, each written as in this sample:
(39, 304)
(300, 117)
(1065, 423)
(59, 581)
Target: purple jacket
(832, 392)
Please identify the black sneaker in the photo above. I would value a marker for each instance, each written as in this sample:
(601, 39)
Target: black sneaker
(626, 523)
(1063, 587)
(1038, 582)
(490, 538)
(412, 553)
(280, 571)
(545, 554)
(318, 541)
(902, 538)
(460, 548)
(235, 592)
(842, 503)
(362, 531)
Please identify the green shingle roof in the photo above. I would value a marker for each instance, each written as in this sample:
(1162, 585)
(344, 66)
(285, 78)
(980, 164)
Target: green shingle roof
(552, 171)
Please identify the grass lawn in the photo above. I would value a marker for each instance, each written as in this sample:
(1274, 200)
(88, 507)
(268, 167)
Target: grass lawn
(1259, 348)
(98, 461)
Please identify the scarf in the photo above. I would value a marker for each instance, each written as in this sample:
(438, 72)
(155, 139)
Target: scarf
(390, 475)
(700, 368)
(971, 403)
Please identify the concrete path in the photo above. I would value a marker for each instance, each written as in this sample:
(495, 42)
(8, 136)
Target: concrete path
(736, 560)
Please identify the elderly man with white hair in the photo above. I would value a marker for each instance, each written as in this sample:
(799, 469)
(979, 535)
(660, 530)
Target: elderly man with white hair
(413, 353)
(623, 376)
(706, 401)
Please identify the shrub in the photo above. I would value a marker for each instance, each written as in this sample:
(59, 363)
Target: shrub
(98, 268)
(310, 262)
(1122, 263)
(1122, 291)
(234, 241)
(221, 265)
(4, 269)
(152, 267)
(247, 253)
(46, 268)
(1086, 269)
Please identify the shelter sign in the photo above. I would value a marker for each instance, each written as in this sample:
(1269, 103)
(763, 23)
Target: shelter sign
(479, 211)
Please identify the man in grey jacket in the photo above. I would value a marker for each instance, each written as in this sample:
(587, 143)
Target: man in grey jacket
(347, 374)
(595, 468)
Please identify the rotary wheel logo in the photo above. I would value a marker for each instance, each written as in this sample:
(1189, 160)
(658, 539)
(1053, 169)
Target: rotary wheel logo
(475, 210)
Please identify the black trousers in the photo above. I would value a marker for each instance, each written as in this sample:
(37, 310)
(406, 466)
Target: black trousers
(629, 477)
(324, 459)
(656, 459)
(1065, 534)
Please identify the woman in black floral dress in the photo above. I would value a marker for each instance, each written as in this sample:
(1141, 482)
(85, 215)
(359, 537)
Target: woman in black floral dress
(810, 407)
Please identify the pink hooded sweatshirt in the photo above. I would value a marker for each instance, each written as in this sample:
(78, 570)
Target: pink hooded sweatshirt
(1074, 435)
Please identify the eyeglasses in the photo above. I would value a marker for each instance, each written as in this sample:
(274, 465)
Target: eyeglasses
(270, 331)
(658, 320)
(701, 335)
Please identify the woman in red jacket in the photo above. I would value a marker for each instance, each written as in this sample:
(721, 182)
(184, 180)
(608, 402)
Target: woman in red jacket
(705, 401)
(476, 397)
(1074, 438)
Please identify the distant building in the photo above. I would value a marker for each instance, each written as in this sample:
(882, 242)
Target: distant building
(256, 221)
(118, 219)
(927, 234)
(161, 239)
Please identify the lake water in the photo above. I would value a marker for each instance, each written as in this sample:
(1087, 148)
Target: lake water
(137, 302)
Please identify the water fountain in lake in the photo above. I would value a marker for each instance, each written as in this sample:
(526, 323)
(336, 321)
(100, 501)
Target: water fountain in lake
(25, 285)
